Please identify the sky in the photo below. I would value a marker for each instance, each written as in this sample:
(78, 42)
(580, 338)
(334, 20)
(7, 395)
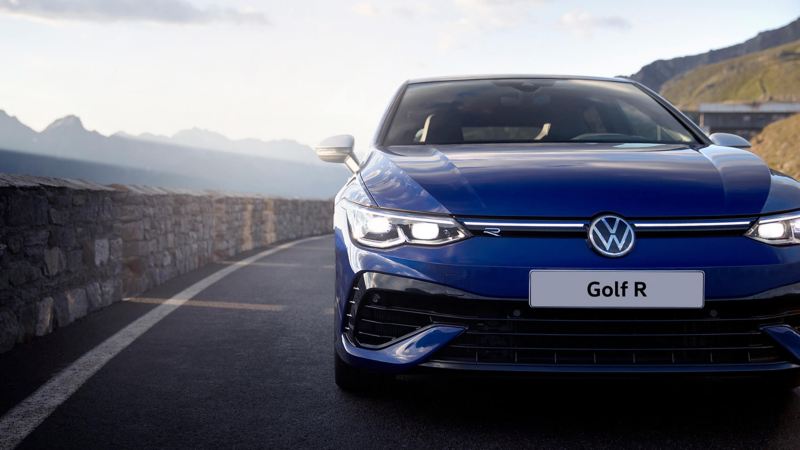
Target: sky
(307, 69)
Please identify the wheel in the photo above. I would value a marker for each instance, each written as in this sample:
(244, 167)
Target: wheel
(353, 379)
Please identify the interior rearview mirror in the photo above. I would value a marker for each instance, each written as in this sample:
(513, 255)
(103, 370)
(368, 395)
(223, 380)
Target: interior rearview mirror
(729, 140)
(338, 149)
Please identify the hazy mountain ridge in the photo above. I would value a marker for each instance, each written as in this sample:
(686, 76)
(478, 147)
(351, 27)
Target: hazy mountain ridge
(768, 75)
(655, 74)
(49, 166)
(283, 149)
(145, 161)
(14, 133)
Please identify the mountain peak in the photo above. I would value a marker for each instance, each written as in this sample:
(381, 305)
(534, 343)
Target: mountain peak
(6, 117)
(202, 138)
(11, 129)
(70, 122)
(199, 133)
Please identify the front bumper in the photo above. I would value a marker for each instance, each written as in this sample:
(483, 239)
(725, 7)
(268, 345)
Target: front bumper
(393, 324)
(464, 306)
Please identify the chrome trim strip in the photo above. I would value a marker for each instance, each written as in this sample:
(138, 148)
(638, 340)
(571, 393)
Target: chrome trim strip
(690, 224)
(527, 224)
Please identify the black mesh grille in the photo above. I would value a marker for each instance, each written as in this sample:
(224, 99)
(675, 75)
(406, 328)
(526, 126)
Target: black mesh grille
(510, 332)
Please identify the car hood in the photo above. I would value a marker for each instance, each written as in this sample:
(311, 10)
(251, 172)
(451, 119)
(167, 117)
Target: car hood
(568, 180)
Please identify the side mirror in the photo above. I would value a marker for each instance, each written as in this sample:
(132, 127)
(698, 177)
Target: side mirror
(729, 140)
(338, 149)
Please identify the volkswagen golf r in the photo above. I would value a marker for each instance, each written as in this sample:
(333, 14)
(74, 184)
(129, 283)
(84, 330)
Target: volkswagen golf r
(560, 225)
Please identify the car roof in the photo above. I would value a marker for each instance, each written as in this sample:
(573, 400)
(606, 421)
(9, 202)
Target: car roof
(518, 76)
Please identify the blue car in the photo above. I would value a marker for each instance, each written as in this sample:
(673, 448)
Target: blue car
(560, 225)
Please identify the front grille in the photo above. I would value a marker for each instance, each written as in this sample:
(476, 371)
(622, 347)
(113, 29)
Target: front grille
(510, 332)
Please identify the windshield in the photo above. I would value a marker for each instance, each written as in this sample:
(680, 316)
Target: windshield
(531, 110)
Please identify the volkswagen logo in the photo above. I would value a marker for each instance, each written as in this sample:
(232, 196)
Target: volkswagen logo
(611, 236)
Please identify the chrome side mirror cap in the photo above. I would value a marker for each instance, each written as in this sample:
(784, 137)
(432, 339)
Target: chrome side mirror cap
(729, 140)
(338, 149)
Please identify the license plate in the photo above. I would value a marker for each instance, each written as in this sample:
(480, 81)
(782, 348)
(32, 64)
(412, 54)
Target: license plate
(616, 289)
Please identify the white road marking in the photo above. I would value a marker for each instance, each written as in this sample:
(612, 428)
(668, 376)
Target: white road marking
(21, 420)
(284, 265)
(210, 304)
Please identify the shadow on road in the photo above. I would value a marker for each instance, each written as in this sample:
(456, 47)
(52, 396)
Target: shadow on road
(598, 414)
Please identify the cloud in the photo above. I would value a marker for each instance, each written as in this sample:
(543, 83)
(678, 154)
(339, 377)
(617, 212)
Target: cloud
(392, 10)
(479, 17)
(584, 23)
(367, 9)
(456, 21)
(161, 11)
(495, 13)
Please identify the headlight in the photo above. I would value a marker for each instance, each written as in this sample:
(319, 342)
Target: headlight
(383, 229)
(777, 230)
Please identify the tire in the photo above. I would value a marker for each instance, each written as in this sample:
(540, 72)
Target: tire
(353, 379)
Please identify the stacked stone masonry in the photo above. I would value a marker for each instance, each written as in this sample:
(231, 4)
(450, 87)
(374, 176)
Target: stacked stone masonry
(69, 247)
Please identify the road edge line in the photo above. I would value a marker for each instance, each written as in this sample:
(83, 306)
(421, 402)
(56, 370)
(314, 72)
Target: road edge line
(21, 420)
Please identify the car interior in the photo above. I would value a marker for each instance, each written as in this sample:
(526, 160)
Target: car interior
(510, 111)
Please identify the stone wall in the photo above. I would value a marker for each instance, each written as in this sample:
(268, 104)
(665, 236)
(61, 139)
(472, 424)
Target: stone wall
(70, 247)
(164, 234)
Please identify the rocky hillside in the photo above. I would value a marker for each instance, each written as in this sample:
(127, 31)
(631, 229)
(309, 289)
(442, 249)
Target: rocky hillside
(768, 75)
(778, 145)
(655, 74)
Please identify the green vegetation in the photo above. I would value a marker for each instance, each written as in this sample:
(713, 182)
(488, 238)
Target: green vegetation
(778, 145)
(768, 75)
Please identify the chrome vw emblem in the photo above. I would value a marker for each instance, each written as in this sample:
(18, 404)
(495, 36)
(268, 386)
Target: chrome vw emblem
(611, 236)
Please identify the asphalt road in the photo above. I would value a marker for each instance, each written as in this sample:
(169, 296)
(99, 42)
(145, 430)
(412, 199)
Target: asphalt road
(248, 364)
